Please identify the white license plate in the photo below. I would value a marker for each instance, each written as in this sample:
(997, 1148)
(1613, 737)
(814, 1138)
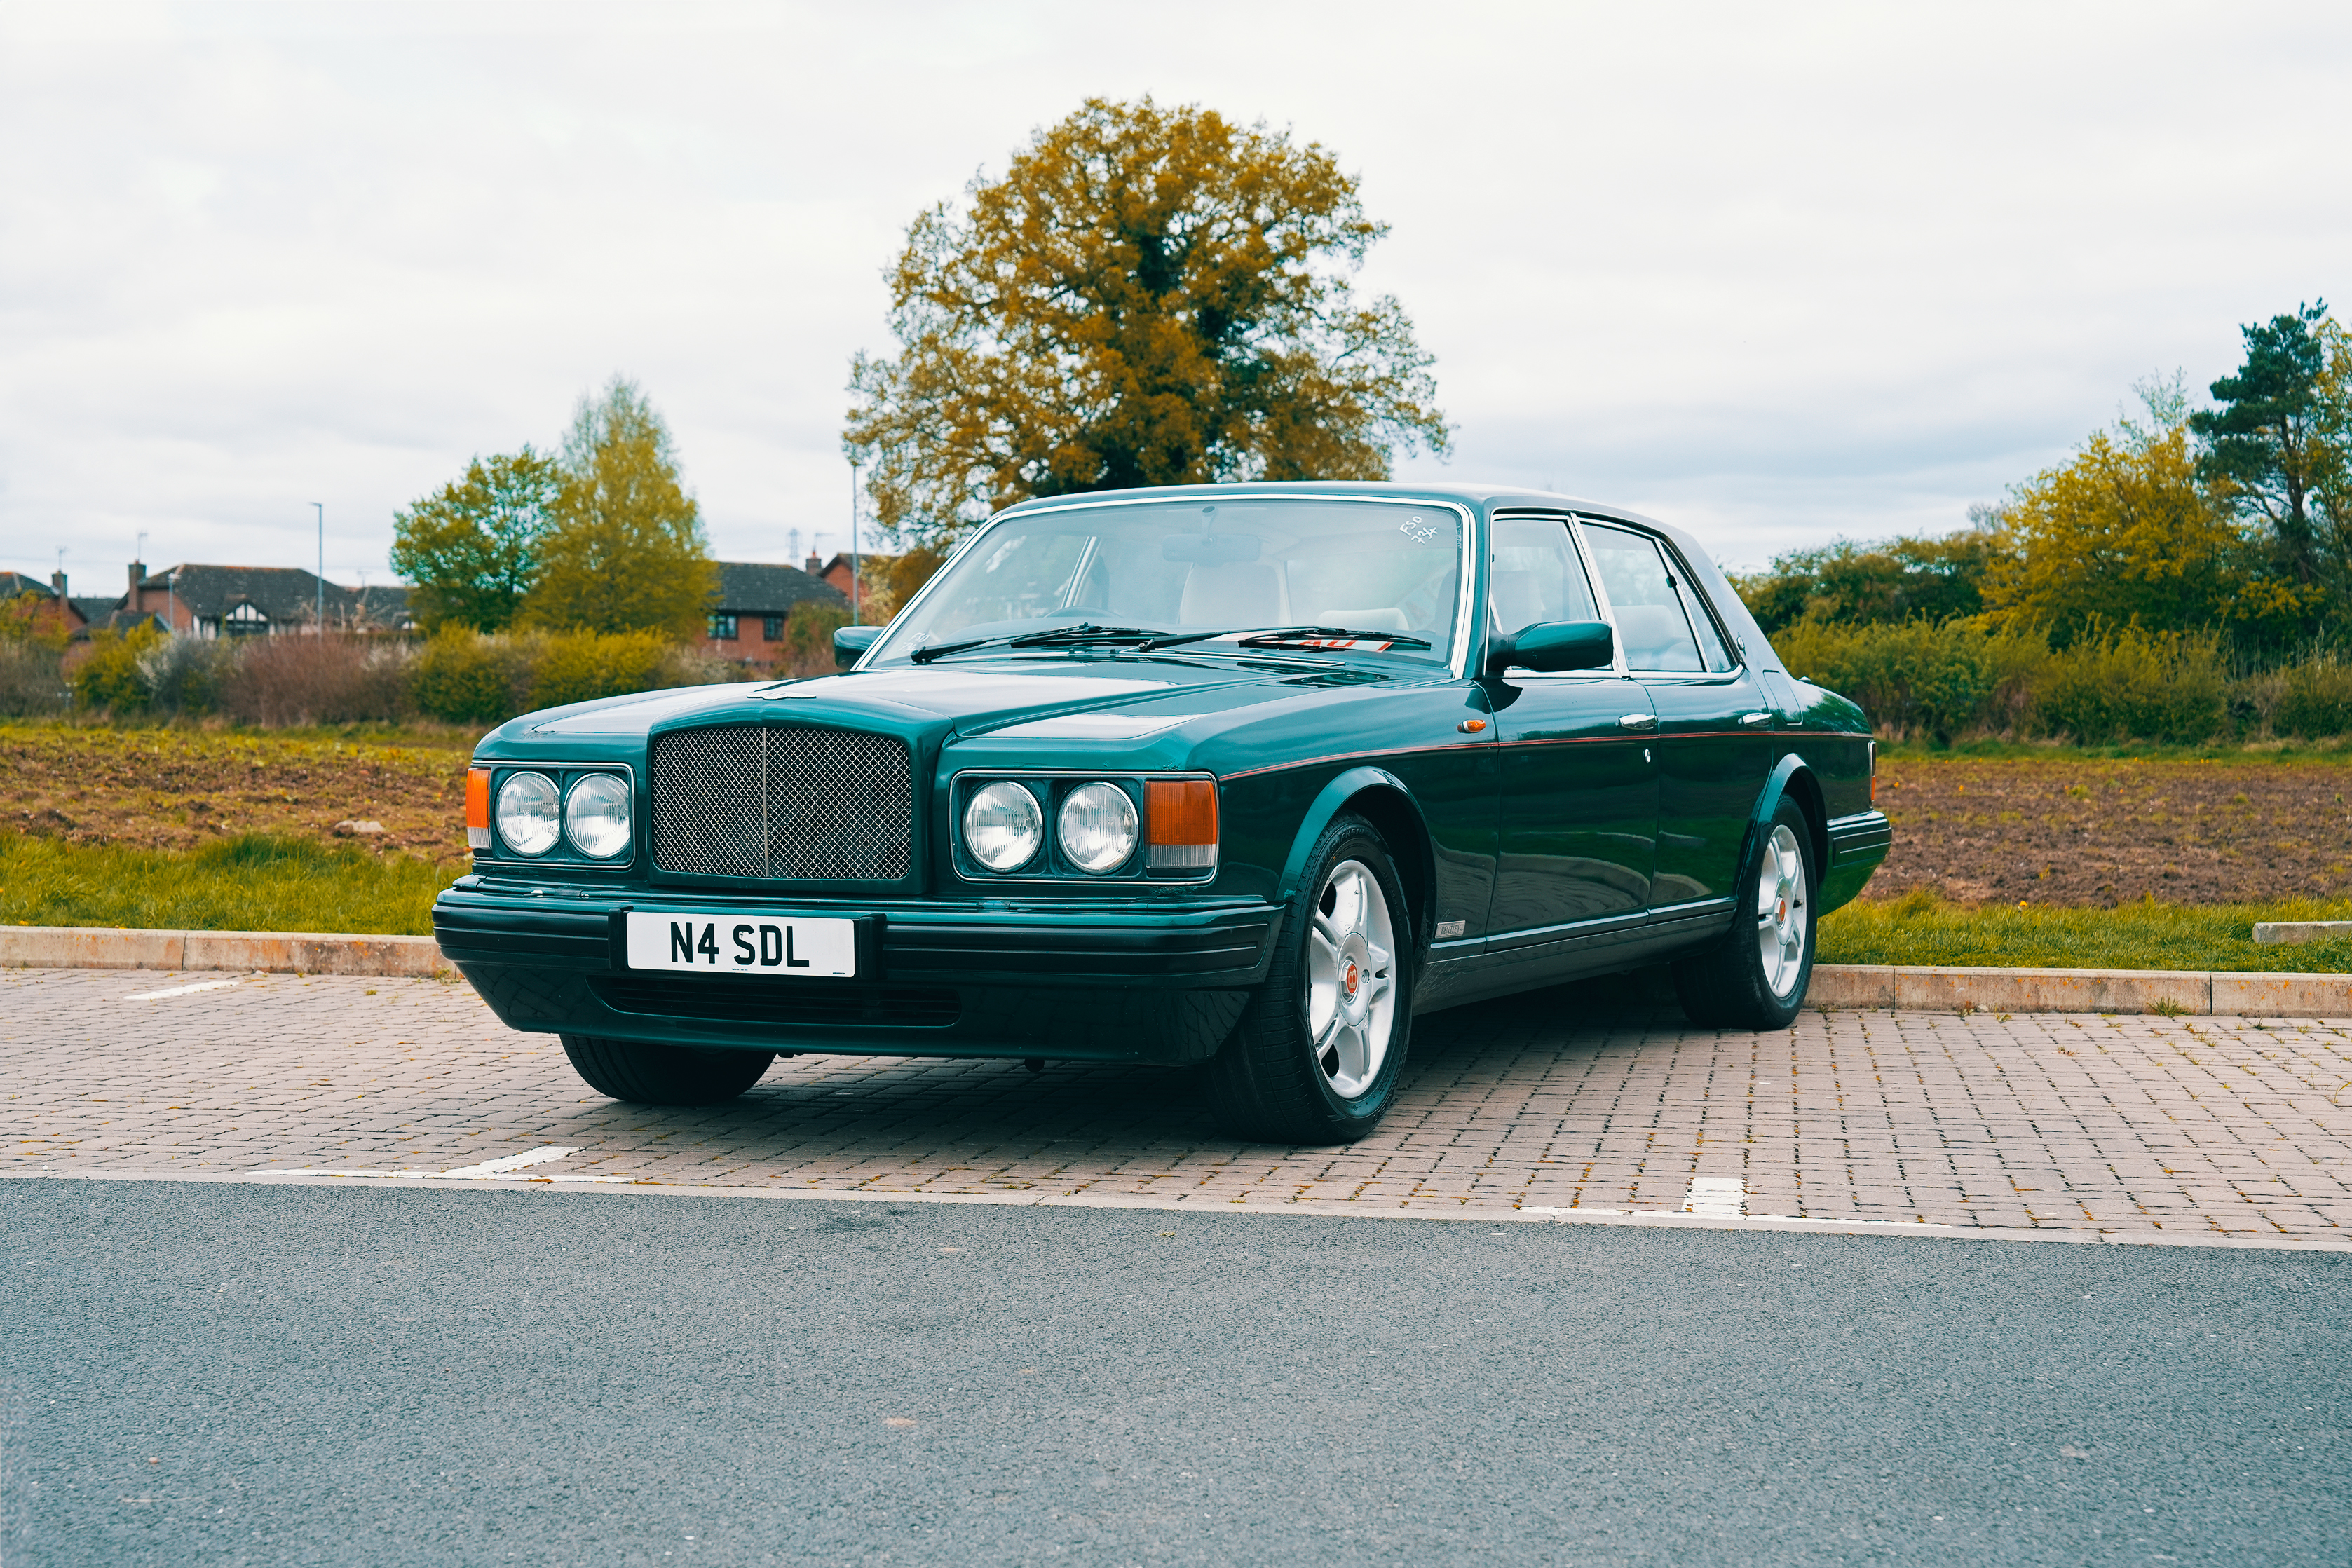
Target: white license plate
(793, 946)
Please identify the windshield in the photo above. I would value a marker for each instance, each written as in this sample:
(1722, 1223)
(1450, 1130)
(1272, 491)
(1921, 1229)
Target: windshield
(1238, 566)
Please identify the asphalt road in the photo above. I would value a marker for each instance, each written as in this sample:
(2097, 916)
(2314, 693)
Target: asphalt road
(216, 1374)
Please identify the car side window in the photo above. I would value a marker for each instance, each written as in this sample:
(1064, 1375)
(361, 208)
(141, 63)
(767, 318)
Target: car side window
(1536, 575)
(1651, 625)
(1712, 650)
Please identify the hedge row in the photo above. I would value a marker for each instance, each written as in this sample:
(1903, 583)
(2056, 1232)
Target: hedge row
(459, 677)
(1956, 678)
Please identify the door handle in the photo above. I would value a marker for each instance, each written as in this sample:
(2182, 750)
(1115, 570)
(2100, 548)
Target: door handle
(1637, 721)
(1750, 720)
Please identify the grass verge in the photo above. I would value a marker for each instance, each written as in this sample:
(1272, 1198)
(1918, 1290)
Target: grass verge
(1919, 928)
(254, 882)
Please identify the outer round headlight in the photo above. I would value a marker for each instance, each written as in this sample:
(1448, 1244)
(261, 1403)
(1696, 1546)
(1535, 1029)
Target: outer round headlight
(1098, 827)
(527, 816)
(1003, 827)
(596, 816)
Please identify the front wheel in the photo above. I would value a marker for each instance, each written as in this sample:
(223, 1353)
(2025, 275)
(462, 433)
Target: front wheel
(1755, 975)
(664, 1074)
(1315, 1056)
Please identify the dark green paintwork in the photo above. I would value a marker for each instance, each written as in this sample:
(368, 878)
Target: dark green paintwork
(1546, 832)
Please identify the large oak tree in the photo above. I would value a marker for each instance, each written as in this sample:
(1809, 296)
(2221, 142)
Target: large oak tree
(1146, 297)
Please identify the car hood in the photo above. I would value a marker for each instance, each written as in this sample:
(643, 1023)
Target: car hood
(1062, 698)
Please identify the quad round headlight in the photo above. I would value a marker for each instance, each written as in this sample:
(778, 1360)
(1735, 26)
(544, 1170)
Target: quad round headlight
(596, 816)
(526, 813)
(1003, 827)
(1098, 827)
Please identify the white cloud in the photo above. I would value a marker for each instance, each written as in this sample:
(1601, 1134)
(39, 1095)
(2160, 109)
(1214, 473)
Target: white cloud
(1775, 272)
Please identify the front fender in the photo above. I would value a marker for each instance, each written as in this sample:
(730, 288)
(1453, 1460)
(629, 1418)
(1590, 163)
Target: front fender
(1398, 817)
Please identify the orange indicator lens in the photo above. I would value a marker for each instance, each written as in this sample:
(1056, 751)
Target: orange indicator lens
(1180, 822)
(477, 807)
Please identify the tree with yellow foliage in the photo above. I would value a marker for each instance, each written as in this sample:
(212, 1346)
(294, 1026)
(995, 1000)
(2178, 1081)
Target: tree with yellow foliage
(626, 551)
(2126, 531)
(1146, 296)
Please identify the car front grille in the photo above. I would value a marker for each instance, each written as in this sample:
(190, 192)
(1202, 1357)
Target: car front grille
(801, 805)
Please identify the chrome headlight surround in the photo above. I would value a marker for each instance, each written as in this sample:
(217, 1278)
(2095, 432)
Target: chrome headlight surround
(596, 816)
(529, 813)
(1104, 827)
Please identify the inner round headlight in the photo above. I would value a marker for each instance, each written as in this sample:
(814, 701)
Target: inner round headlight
(1003, 827)
(1098, 827)
(596, 816)
(527, 815)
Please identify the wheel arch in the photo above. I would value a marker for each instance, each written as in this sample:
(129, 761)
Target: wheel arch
(1792, 780)
(1381, 799)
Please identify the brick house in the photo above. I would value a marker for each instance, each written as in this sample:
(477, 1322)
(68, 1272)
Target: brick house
(57, 607)
(194, 599)
(754, 601)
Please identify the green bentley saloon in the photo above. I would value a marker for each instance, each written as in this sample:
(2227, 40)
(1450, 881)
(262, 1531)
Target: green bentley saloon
(1241, 776)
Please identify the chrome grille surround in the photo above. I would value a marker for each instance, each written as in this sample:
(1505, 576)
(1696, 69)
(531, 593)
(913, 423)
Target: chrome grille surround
(783, 804)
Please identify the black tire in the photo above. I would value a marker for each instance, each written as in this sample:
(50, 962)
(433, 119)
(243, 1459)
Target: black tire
(664, 1074)
(1735, 983)
(1274, 1082)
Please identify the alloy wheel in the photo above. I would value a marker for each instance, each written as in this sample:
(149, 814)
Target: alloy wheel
(1350, 990)
(1782, 910)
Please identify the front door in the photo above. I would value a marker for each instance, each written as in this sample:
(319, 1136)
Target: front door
(1714, 744)
(1578, 786)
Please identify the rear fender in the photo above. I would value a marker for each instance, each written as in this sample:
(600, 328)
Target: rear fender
(1790, 780)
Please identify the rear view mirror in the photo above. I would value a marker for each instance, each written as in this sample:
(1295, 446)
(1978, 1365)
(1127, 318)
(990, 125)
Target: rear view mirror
(1552, 646)
(850, 643)
(1210, 550)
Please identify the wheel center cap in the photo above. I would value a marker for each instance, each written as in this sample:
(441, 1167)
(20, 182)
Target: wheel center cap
(1350, 978)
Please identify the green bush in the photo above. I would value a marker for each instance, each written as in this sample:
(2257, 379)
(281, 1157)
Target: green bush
(188, 674)
(464, 677)
(808, 638)
(31, 683)
(1938, 678)
(580, 666)
(2134, 685)
(2314, 697)
(110, 676)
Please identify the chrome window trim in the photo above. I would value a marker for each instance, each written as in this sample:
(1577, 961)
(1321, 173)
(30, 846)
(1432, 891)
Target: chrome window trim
(1673, 558)
(1457, 660)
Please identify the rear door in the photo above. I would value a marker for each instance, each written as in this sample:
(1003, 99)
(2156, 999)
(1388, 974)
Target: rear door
(1579, 789)
(1713, 745)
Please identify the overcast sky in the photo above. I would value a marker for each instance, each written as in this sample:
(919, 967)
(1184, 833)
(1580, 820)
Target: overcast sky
(1777, 273)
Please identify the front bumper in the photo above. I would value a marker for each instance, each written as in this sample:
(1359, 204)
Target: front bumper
(1097, 983)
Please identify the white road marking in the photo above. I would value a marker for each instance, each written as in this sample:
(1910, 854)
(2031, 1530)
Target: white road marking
(538, 1156)
(1721, 1197)
(179, 990)
(506, 1169)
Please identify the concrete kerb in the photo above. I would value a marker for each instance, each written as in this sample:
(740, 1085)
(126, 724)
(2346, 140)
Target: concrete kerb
(245, 952)
(2226, 993)
(1295, 1208)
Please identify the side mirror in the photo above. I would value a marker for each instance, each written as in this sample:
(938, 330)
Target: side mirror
(850, 643)
(1551, 647)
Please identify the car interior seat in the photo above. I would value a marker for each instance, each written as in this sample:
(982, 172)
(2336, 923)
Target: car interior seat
(1656, 637)
(1235, 593)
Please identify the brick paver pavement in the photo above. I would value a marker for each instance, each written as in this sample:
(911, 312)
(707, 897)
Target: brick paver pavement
(2128, 1126)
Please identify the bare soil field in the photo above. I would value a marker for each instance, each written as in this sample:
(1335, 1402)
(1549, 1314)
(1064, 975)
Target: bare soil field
(176, 789)
(2087, 833)
(2055, 830)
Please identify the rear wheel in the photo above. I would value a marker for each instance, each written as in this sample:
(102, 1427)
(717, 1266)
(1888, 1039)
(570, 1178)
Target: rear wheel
(1755, 977)
(664, 1074)
(1315, 1056)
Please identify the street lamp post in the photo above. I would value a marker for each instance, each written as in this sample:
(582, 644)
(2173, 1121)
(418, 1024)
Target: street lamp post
(853, 545)
(320, 509)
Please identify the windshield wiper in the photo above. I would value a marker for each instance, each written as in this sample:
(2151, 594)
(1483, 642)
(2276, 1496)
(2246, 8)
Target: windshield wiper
(1085, 632)
(1289, 636)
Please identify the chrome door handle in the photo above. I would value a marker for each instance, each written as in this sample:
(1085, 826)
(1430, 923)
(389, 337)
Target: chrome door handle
(1750, 720)
(1637, 721)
